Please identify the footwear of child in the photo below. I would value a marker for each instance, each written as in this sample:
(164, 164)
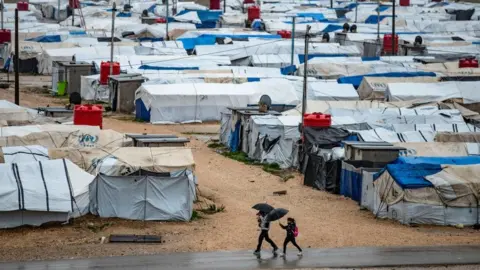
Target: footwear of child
(282, 255)
(300, 254)
(275, 251)
(256, 253)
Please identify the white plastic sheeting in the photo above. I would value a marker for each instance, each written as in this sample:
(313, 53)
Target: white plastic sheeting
(272, 139)
(21, 154)
(468, 91)
(180, 103)
(144, 197)
(57, 186)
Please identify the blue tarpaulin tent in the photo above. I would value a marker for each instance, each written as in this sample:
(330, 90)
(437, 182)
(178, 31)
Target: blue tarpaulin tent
(356, 80)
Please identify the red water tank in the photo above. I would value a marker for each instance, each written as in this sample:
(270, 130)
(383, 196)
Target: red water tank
(387, 43)
(22, 6)
(161, 20)
(105, 71)
(248, 2)
(317, 120)
(74, 4)
(89, 115)
(253, 13)
(5, 36)
(404, 3)
(284, 33)
(214, 4)
(468, 63)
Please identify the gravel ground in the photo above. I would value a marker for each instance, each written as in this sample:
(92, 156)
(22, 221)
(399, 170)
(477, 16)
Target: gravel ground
(324, 220)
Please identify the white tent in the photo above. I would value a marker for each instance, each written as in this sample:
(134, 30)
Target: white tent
(35, 193)
(433, 91)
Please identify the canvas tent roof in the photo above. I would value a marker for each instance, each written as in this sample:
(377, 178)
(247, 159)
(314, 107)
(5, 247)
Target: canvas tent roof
(373, 88)
(127, 160)
(433, 91)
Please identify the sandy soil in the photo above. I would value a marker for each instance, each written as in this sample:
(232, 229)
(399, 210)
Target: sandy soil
(324, 220)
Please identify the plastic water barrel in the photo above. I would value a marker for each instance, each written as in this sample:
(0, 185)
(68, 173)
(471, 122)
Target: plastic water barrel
(248, 1)
(387, 43)
(214, 4)
(5, 36)
(88, 115)
(404, 3)
(105, 71)
(22, 6)
(74, 4)
(161, 20)
(317, 120)
(253, 13)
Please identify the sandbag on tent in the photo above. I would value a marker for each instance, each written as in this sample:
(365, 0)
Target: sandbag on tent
(146, 196)
(35, 193)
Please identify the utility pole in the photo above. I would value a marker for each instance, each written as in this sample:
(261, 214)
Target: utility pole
(114, 9)
(293, 41)
(356, 9)
(2, 13)
(305, 69)
(378, 22)
(225, 6)
(58, 10)
(17, 62)
(166, 23)
(393, 28)
(73, 12)
(331, 3)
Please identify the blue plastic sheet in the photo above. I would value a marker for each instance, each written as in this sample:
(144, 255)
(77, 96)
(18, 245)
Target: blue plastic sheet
(374, 58)
(351, 184)
(382, 8)
(148, 67)
(253, 79)
(235, 137)
(210, 39)
(288, 70)
(46, 39)
(470, 160)
(332, 28)
(411, 176)
(356, 80)
(124, 14)
(301, 57)
(141, 112)
(374, 19)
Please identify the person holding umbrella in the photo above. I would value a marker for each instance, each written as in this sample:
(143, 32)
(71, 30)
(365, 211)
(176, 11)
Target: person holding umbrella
(264, 224)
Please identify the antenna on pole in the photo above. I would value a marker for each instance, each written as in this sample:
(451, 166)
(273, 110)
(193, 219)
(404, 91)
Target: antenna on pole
(305, 70)
(114, 9)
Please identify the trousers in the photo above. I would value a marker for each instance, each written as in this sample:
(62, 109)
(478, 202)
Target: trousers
(264, 235)
(290, 238)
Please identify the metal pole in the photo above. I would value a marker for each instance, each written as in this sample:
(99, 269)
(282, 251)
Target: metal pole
(73, 13)
(58, 10)
(305, 69)
(113, 37)
(356, 9)
(378, 22)
(17, 62)
(393, 28)
(293, 41)
(331, 3)
(2, 13)
(225, 6)
(168, 13)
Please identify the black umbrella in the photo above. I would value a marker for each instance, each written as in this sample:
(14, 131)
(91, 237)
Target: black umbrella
(263, 207)
(276, 214)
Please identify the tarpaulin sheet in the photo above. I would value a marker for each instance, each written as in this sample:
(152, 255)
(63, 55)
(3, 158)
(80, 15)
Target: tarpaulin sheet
(357, 80)
(412, 176)
(210, 39)
(47, 39)
(439, 160)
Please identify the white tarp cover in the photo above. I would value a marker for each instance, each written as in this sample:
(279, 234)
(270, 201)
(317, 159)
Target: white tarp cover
(468, 91)
(144, 197)
(373, 88)
(21, 154)
(272, 139)
(181, 103)
(43, 187)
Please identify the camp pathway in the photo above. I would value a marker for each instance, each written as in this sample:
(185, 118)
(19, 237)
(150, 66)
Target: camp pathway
(313, 258)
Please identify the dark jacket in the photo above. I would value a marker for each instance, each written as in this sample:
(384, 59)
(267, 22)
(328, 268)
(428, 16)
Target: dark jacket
(290, 228)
